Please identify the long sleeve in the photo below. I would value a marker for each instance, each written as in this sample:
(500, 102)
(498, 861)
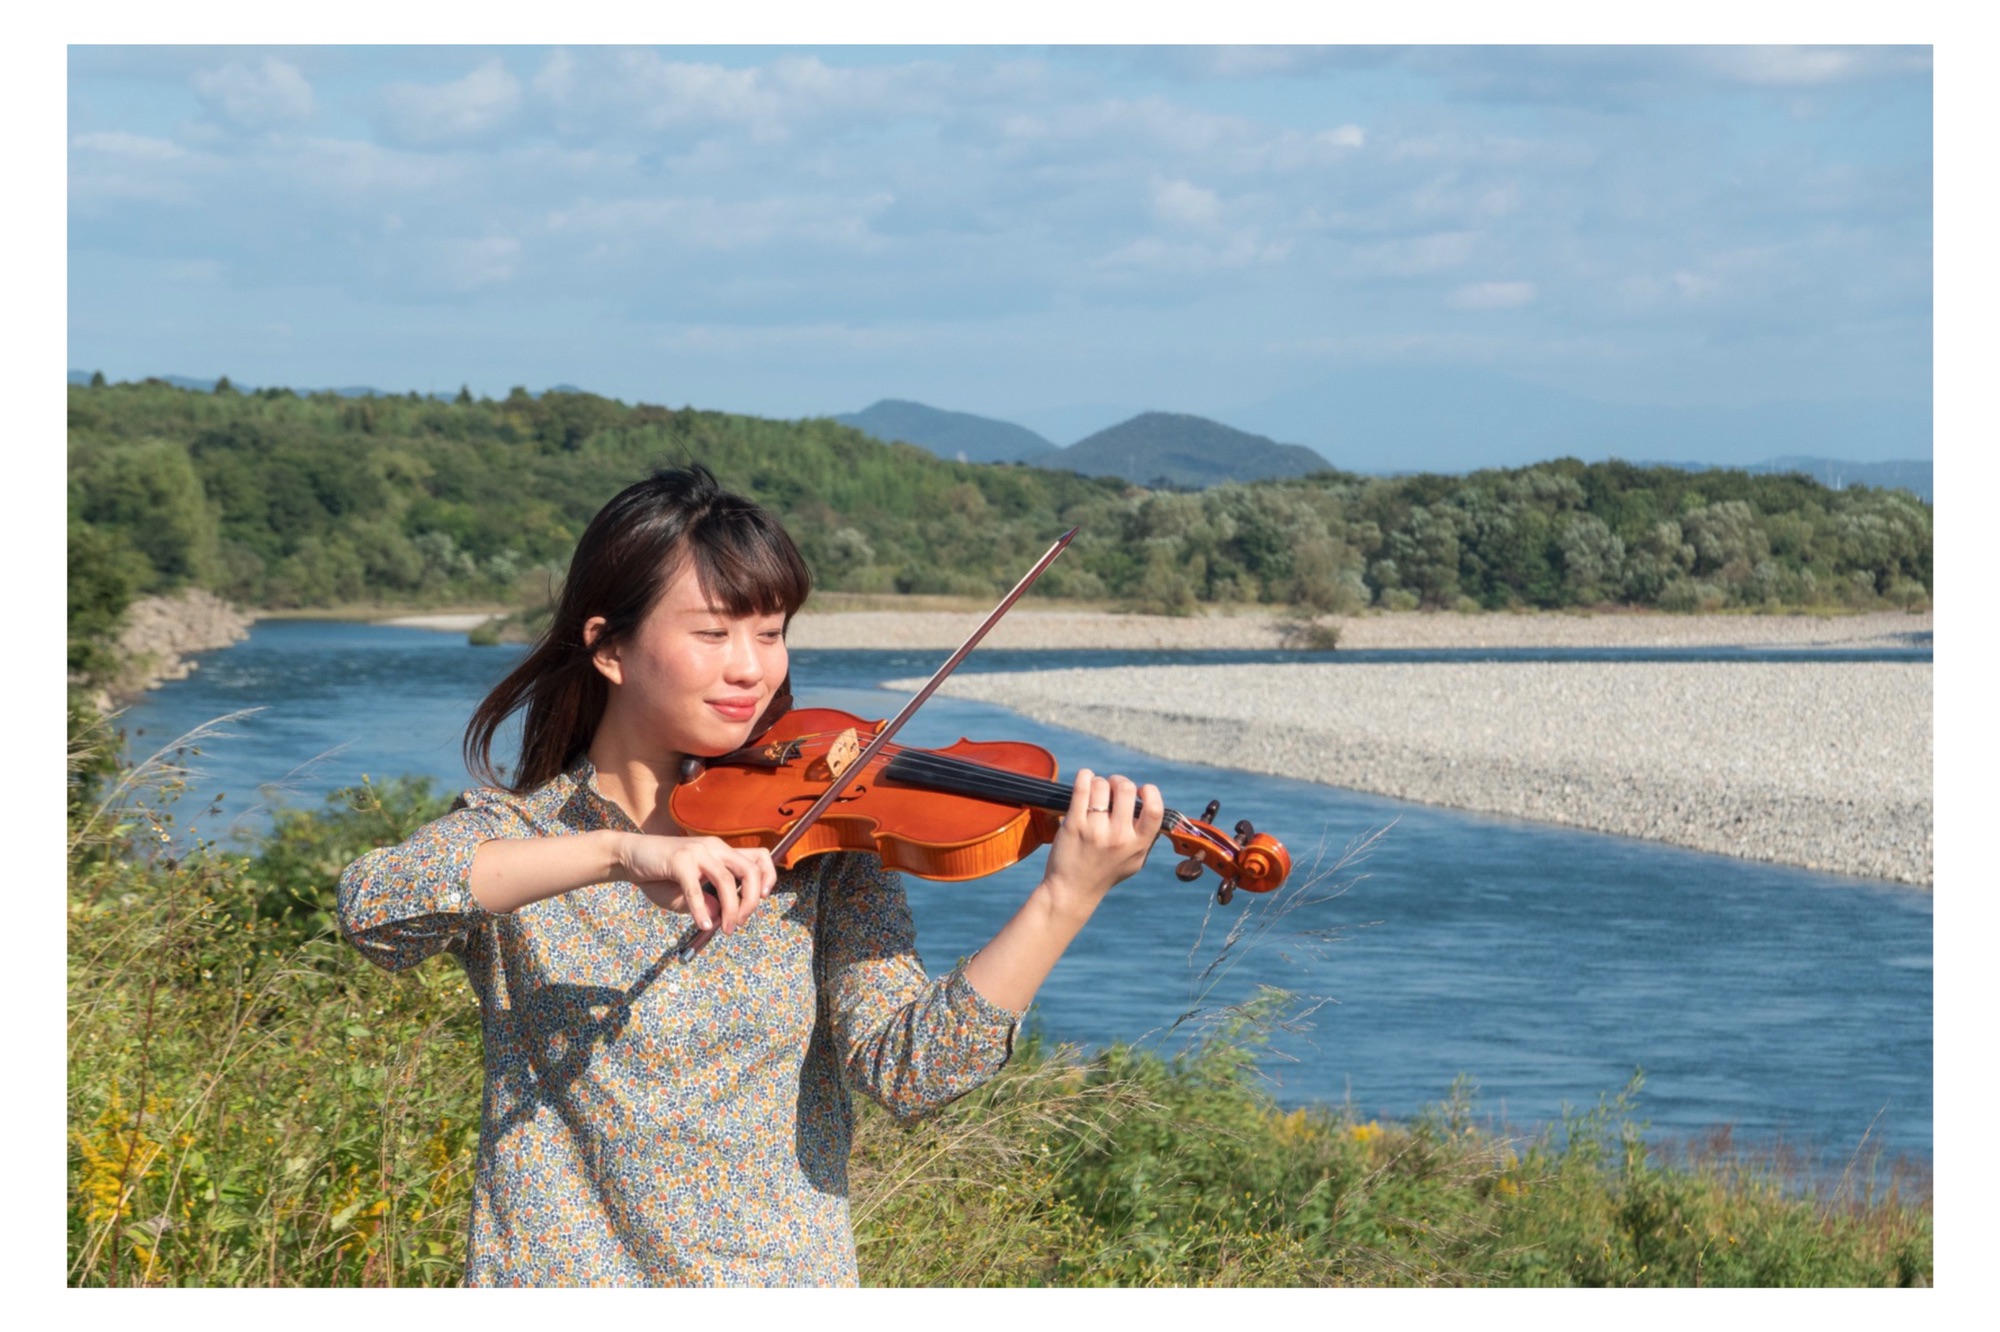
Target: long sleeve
(400, 904)
(910, 1042)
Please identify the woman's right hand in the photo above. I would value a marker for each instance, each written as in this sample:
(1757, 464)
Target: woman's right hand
(719, 885)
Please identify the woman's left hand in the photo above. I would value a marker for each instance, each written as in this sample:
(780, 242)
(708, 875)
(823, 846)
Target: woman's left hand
(1104, 840)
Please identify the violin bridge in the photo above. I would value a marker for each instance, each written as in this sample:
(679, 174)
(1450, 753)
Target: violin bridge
(840, 755)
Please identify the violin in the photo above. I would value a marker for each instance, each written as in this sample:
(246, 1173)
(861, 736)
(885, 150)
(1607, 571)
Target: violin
(948, 814)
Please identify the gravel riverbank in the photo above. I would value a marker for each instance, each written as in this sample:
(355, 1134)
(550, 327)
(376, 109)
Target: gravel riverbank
(1826, 766)
(1033, 627)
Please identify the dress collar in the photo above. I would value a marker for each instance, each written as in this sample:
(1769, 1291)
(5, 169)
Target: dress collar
(598, 810)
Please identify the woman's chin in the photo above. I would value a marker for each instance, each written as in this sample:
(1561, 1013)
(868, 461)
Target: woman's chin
(716, 740)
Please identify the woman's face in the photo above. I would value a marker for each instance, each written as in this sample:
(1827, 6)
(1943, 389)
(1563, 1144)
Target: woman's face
(692, 679)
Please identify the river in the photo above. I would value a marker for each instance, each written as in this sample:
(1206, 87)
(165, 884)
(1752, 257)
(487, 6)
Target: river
(1544, 964)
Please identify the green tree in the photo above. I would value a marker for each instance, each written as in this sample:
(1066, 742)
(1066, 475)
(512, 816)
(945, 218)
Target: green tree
(105, 572)
(151, 494)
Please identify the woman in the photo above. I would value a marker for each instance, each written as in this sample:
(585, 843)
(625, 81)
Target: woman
(649, 1120)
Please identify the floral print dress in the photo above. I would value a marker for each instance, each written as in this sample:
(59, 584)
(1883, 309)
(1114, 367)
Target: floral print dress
(649, 1121)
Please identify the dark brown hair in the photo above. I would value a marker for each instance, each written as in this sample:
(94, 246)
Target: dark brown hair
(635, 546)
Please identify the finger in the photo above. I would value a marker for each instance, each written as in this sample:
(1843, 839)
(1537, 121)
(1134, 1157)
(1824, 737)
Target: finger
(692, 897)
(723, 880)
(763, 873)
(1123, 798)
(751, 879)
(1100, 799)
(1079, 796)
(1152, 811)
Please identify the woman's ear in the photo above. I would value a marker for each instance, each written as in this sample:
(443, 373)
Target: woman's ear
(604, 657)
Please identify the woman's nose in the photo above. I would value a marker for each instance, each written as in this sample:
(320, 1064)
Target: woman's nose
(744, 664)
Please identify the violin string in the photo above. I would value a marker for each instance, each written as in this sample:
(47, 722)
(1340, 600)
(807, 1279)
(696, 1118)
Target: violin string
(1013, 787)
(1004, 785)
(1008, 785)
(1019, 787)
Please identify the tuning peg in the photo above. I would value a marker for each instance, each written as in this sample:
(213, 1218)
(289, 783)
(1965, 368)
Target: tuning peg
(1189, 870)
(1244, 832)
(1225, 892)
(1208, 815)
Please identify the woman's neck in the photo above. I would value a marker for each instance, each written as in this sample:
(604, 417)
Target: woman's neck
(637, 784)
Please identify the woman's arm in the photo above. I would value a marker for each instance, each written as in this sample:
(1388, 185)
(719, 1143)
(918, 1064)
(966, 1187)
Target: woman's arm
(1101, 843)
(401, 904)
(914, 1043)
(703, 877)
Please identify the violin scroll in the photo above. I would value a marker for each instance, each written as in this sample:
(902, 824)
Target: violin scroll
(1250, 860)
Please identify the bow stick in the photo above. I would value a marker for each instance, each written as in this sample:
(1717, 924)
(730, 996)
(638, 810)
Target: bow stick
(882, 737)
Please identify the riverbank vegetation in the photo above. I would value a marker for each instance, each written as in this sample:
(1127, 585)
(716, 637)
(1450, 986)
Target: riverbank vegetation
(250, 1103)
(279, 501)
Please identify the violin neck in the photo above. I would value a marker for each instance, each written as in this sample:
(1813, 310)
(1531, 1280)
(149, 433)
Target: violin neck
(955, 776)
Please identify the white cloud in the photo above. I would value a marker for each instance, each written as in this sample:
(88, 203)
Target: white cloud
(633, 225)
(352, 174)
(612, 93)
(1694, 286)
(1241, 249)
(272, 92)
(463, 109)
(1414, 256)
(1182, 203)
(110, 169)
(1810, 66)
(483, 262)
(1492, 296)
(117, 143)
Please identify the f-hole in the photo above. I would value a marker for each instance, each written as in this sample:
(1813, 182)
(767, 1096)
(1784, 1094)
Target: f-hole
(799, 804)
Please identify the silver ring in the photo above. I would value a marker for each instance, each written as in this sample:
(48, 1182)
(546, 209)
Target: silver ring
(1093, 809)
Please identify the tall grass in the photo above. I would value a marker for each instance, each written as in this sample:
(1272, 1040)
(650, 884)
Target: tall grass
(250, 1103)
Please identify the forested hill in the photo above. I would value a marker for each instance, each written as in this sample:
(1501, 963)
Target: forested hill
(959, 435)
(275, 500)
(1173, 449)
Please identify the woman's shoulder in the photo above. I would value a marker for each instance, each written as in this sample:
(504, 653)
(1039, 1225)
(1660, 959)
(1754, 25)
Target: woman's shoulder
(565, 800)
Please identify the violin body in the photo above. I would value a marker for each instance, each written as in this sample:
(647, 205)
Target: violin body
(933, 835)
(949, 814)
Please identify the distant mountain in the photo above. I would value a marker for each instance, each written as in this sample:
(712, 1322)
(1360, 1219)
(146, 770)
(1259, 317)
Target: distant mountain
(1911, 474)
(1457, 419)
(957, 435)
(1155, 448)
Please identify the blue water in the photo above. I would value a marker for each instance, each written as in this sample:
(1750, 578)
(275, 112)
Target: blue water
(1544, 963)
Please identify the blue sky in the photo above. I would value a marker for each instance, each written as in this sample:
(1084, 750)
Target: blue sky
(1403, 257)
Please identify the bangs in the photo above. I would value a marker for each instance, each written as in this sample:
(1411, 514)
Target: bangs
(747, 564)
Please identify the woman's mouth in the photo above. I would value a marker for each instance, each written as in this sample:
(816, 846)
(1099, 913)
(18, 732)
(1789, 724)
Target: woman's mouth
(735, 709)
